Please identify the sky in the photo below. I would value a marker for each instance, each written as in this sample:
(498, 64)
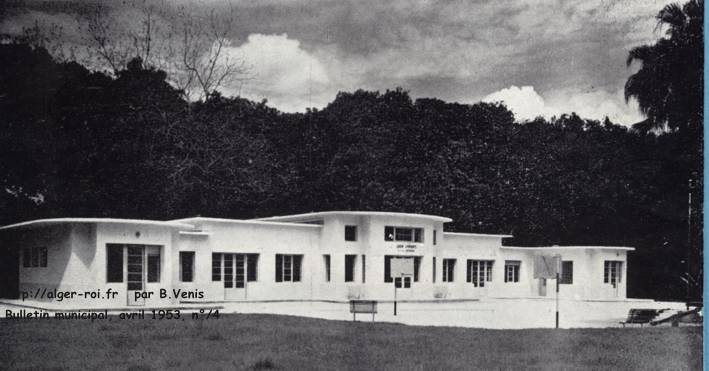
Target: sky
(538, 57)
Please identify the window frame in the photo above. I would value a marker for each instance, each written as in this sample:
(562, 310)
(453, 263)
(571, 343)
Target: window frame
(152, 252)
(291, 268)
(252, 266)
(479, 271)
(111, 271)
(350, 267)
(434, 270)
(35, 257)
(612, 272)
(566, 276)
(448, 270)
(364, 268)
(27, 257)
(183, 255)
(327, 262)
(218, 268)
(512, 268)
(397, 233)
(351, 233)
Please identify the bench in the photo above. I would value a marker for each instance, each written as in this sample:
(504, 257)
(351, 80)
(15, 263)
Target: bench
(363, 306)
(640, 316)
(679, 316)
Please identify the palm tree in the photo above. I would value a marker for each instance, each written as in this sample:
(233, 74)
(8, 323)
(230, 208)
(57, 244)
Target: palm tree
(669, 84)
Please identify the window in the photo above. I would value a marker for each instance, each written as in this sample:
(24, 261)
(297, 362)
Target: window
(34, 257)
(134, 267)
(403, 234)
(479, 272)
(288, 268)
(612, 272)
(228, 271)
(448, 270)
(402, 282)
(434, 268)
(434, 236)
(114, 263)
(387, 267)
(417, 265)
(237, 269)
(326, 260)
(350, 261)
(567, 272)
(153, 253)
(251, 267)
(216, 267)
(350, 233)
(26, 257)
(186, 266)
(364, 268)
(143, 263)
(42, 257)
(512, 270)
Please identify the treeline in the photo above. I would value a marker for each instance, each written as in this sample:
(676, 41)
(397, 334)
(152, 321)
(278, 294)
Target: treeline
(84, 144)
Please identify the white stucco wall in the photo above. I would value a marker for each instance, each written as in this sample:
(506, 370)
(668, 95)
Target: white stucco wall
(136, 234)
(265, 239)
(77, 259)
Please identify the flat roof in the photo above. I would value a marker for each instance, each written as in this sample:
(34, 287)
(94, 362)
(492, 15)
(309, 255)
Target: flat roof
(247, 221)
(622, 248)
(356, 213)
(461, 234)
(43, 222)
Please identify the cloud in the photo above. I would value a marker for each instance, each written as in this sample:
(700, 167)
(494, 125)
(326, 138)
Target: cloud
(452, 50)
(282, 72)
(526, 104)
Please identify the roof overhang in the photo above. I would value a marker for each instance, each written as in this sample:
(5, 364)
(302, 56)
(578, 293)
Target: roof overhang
(477, 235)
(321, 214)
(200, 219)
(59, 221)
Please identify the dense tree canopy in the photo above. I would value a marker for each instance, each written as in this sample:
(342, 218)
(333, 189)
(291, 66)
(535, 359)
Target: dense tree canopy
(78, 143)
(669, 84)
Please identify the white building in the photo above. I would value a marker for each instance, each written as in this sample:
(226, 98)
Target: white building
(322, 256)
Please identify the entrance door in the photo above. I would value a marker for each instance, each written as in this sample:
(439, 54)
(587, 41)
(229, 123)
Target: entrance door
(136, 277)
(612, 274)
(9, 272)
(234, 276)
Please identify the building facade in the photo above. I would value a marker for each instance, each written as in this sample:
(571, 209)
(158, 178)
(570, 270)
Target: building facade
(328, 256)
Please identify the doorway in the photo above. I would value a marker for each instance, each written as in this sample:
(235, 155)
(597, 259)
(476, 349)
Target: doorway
(9, 272)
(239, 270)
(139, 264)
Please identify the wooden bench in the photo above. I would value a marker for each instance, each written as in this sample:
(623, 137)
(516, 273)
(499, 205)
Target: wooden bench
(640, 316)
(363, 306)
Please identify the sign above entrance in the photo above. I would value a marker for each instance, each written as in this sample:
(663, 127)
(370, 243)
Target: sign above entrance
(402, 267)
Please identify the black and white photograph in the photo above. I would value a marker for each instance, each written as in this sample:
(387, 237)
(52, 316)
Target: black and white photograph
(351, 185)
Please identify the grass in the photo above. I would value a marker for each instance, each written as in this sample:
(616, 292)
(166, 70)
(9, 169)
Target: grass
(270, 342)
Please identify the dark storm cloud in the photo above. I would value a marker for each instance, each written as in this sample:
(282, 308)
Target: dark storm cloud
(571, 52)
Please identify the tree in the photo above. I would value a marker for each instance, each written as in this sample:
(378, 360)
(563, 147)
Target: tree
(187, 42)
(669, 84)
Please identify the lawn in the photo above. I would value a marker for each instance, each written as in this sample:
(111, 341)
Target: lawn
(255, 341)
